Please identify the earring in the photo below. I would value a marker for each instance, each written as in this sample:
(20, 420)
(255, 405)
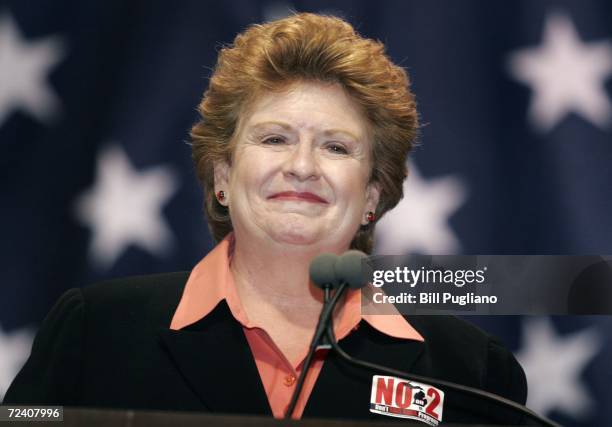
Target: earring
(220, 195)
(370, 216)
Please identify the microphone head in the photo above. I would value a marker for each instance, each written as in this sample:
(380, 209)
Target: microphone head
(322, 271)
(348, 269)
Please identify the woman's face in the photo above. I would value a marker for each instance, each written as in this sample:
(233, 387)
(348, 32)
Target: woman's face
(300, 169)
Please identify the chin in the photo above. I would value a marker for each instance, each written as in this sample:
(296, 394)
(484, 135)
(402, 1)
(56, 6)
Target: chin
(295, 238)
(291, 233)
(299, 231)
(321, 240)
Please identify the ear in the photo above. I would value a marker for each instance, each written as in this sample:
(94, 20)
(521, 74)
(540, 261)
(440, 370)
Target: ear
(372, 198)
(222, 173)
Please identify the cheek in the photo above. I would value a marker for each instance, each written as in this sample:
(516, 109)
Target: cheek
(247, 170)
(252, 176)
(351, 183)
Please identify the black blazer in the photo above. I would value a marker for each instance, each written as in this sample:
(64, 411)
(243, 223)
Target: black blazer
(109, 345)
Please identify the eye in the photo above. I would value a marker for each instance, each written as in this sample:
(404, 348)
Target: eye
(336, 148)
(274, 140)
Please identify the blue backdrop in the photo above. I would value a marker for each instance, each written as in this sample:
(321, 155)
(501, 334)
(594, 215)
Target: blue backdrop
(96, 181)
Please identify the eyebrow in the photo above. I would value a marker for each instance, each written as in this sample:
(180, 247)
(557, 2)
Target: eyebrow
(264, 124)
(286, 126)
(330, 132)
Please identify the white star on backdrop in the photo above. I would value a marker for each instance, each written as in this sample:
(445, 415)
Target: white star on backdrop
(15, 347)
(419, 223)
(565, 75)
(553, 364)
(125, 207)
(24, 68)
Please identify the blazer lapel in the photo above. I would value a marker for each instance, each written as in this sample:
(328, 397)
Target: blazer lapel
(343, 390)
(214, 358)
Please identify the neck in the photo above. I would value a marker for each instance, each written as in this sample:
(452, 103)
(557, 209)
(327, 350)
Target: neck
(272, 280)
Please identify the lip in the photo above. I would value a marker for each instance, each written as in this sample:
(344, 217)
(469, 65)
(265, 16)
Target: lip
(298, 195)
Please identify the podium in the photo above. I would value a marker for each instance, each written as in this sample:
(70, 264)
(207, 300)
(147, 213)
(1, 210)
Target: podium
(74, 417)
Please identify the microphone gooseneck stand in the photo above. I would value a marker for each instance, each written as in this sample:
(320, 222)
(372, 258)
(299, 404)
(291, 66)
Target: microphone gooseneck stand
(324, 338)
(331, 339)
(317, 341)
(438, 383)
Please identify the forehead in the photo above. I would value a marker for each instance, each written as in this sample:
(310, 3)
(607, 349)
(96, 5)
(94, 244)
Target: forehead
(314, 106)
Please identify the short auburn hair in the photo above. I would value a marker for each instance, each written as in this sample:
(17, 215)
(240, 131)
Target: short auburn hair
(307, 47)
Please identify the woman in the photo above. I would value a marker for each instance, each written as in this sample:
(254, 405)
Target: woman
(301, 147)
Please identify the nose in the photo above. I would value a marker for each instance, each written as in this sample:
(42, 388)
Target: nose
(302, 162)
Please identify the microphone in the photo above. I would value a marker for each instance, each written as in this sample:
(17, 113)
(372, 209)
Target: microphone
(322, 272)
(329, 272)
(348, 269)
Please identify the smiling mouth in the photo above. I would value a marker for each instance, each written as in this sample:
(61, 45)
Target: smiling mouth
(298, 196)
